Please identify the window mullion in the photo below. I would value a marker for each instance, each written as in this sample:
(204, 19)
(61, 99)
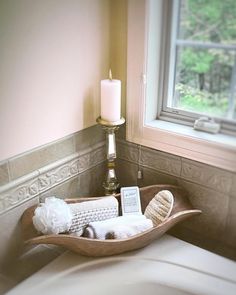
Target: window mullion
(231, 107)
(169, 76)
(206, 45)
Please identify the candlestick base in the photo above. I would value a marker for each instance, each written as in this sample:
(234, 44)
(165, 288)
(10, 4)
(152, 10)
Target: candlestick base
(110, 123)
(110, 184)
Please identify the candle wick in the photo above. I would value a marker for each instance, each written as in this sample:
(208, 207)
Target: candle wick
(110, 75)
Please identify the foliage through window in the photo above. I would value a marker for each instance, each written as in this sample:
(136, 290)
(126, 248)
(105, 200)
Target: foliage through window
(203, 60)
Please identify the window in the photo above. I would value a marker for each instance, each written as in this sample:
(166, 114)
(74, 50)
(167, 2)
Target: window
(201, 78)
(177, 72)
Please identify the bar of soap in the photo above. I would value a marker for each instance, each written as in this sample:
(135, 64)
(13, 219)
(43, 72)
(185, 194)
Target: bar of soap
(160, 207)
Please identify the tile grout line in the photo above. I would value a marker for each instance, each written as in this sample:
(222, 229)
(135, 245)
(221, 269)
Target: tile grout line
(9, 171)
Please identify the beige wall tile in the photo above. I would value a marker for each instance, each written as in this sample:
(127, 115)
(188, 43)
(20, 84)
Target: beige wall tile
(90, 183)
(88, 137)
(211, 223)
(230, 231)
(36, 159)
(188, 235)
(4, 174)
(120, 134)
(150, 177)
(127, 151)
(204, 242)
(226, 251)
(6, 284)
(11, 245)
(31, 261)
(126, 173)
(233, 187)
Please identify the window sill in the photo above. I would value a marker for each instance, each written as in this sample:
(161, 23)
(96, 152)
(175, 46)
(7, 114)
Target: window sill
(214, 149)
(225, 141)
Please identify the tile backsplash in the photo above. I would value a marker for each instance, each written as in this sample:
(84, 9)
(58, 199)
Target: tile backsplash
(71, 167)
(209, 188)
(40, 170)
(75, 166)
(35, 159)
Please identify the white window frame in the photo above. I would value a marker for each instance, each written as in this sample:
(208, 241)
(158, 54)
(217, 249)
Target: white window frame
(173, 114)
(144, 68)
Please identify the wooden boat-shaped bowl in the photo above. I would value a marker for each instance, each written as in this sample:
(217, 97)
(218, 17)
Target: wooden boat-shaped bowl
(182, 209)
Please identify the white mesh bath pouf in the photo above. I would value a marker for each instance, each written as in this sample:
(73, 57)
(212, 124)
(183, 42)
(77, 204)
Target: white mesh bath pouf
(160, 207)
(56, 216)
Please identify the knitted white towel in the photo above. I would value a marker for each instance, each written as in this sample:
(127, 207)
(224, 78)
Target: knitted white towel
(91, 211)
(117, 228)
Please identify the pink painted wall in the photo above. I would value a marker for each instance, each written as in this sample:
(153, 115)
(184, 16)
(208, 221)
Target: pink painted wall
(53, 55)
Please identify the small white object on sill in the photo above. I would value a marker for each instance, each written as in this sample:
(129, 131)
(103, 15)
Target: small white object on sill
(206, 124)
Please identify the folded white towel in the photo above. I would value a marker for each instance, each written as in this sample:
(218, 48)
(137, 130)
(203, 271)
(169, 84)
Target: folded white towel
(118, 228)
(125, 231)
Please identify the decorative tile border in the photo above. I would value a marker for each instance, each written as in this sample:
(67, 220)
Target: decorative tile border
(149, 158)
(160, 161)
(31, 185)
(41, 180)
(195, 172)
(209, 176)
(14, 193)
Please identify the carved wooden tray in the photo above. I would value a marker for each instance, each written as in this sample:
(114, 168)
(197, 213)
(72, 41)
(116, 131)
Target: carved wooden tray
(182, 209)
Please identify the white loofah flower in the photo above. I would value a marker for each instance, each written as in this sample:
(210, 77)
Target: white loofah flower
(53, 217)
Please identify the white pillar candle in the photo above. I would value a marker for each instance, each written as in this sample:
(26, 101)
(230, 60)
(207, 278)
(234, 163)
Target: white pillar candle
(111, 100)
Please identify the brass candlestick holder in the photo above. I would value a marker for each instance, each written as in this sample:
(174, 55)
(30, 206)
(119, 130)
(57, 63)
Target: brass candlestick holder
(110, 184)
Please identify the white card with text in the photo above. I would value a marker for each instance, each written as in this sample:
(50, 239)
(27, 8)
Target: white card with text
(130, 200)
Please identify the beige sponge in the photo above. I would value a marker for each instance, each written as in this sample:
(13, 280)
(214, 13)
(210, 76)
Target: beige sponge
(160, 207)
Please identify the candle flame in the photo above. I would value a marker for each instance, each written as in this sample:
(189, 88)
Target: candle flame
(110, 75)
